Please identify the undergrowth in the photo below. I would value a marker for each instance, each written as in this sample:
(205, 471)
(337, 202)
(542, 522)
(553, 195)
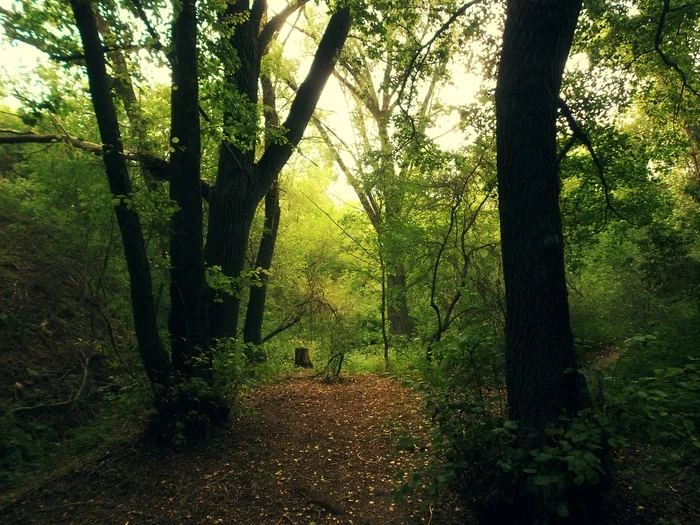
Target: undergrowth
(517, 475)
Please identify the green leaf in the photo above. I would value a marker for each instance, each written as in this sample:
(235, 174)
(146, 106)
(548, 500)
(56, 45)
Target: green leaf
(542, 457)
(542, 480)
(689, 425)
(563, 510)
(640, 488)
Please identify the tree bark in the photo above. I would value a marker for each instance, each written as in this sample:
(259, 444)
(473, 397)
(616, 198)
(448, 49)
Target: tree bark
(187, 323)
(539, 344)
(151, 349)
(255, 313)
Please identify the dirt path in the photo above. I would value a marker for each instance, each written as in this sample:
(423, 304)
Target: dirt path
(308, 453)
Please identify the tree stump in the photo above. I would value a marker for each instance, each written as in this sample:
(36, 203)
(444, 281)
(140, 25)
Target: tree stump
(301, 358)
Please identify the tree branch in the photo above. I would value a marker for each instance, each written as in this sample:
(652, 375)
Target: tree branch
(426, 47)
(283, 327)
(666, 60)
(276, 155)
(583, 137)
(275, 23)
(157, 167)
(70, 401)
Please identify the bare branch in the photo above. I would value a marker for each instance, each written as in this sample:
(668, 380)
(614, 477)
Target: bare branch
(426, 47)
(157, 167)
(275, 23)
(70, 401)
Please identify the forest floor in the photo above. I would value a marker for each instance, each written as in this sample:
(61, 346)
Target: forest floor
(304, 452)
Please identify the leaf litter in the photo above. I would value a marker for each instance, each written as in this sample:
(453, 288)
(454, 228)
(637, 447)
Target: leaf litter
(305, 452)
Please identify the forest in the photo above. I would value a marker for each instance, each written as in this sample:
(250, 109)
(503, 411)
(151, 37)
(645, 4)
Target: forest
(350, 261)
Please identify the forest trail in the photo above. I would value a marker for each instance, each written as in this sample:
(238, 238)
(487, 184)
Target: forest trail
(307, 452)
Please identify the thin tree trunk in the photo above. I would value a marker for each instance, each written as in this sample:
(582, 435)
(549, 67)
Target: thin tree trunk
(255, 313)
(539, 344)
(400, 322)
(153, 353)
(252, 329)
(187, 322)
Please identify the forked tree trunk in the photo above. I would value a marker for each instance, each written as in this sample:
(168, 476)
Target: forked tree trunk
(539, 344)
(240, 183)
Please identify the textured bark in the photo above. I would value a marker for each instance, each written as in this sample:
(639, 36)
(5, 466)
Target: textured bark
(153, 354)
(539, 344)
(240, 183)
(187, 322)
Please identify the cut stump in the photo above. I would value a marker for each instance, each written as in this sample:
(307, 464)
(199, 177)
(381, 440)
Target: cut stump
(301, 358)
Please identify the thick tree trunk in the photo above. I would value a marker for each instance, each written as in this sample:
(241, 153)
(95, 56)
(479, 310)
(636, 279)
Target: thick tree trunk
(240, 184)
(153, 353)
(231, 212)
(252, 329)
(400, 322)
(187, 323)
(539, 344)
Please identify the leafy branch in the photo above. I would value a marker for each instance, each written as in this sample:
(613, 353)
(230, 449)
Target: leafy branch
(580, 135)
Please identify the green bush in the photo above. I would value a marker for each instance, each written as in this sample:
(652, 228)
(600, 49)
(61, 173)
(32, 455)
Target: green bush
(512, 475)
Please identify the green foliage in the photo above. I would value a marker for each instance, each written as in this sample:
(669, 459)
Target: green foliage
(513, 475)
(517, 474)
(222, 284)
(19, 448)
(659, 409)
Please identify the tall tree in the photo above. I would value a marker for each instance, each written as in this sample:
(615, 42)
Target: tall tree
(540, 354)
(153, 353)
(393, 77)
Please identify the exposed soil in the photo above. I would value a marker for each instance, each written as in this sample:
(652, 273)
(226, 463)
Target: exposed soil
(307, 452)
